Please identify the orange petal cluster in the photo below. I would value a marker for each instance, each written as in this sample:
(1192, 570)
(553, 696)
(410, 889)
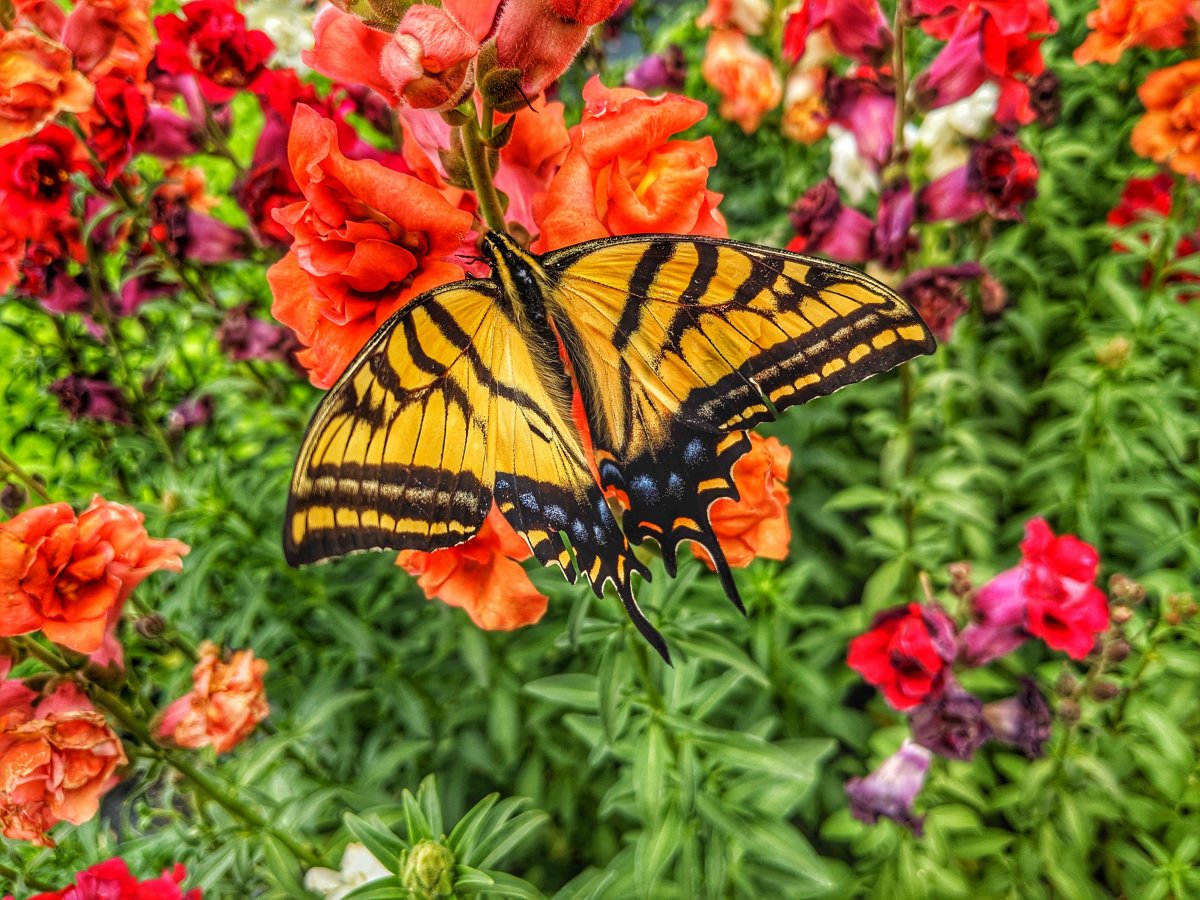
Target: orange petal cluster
(623, 174)
(1169, 132)
(482, 576)
(225, 704)
(746, 80)
(37, 82)
(1118, 25)
(365, 240)
(69, 575)
(57, 756)
(756, 524)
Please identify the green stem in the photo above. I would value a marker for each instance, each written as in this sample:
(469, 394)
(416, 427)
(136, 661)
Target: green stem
(475, 152)
(12, 876)
(10, 465)
(638, 648)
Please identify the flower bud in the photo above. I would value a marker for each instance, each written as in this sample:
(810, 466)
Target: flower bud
(1125, 589)
(150, 626)
(960, 578)
(428, 871)
(1104, 690)
(1114, 354)
(1118, 650)
(1066, 685)
(1121, 614)
(12, 498)
(1068, 711)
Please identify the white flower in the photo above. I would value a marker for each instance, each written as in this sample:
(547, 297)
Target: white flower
(944, 131)
(848, 169)
(288, 23)
(358, 867)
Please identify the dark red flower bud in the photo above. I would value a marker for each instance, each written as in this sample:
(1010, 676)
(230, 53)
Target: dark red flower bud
(1005, 174)
(939, 294)
(91, 398)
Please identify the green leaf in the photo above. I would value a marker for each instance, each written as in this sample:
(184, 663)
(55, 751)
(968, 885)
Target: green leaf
(575, 689)
(506, 840)
(383, 843)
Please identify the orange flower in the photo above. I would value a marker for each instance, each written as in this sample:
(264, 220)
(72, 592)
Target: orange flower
(746, 80)
(532, 156)
(1118, 25)
(37, 82)
(56, 759)
(805, 112)
(225, 704)
(1169, 132)
(756, 524)
(69, 576)
(622, 174)
(482, 575)
(365, 240)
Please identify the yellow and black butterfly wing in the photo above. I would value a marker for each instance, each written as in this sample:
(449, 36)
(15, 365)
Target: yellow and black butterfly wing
(680, 344)
(449, 407)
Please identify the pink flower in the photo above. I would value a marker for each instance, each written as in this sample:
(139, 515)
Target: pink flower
(823, 225)
(863, 106)
(856, 29)
(892, 238)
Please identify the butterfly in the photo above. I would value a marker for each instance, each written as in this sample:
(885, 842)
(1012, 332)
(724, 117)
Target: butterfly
(677, 346)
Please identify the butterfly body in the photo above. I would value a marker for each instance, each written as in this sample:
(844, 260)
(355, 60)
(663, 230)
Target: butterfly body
(675, 345)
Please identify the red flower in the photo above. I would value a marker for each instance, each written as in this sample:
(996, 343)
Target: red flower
(56, 758)
(1064, 608)
(69, 576)
(211, 42)
(112, 880)
(225, 705)
(35, 178)
(1005, 174)
(995, 40)
(114, 122)
(756, 524)
(482, 575)
(365, 240)
(906, 654)
(824, 225)
(532, 156)
(624, 174)
(1118, 25)
(1049, 595)
(856, 28)
(427, 63)
(541, 37)
(1141, 199)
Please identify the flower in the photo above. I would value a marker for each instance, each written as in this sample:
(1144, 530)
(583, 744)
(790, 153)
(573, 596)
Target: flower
(35, 177)
(892, 238)
(1050, 595)
(848, 168)
(540, 38)
(535, 150)
(805, 113)
(429, 870)
(91, 398)
(756, 524)
(950, 197)
(69, 575)
(1064, 608)
(994, 40)
(365, 240)
(289, 25)
(241, 337)
(37, 82)
(856, 28)
(943, 132)
(114, 122)
(358, 867)
(1005, 174)
(1142, 199)
(224, 706)
(937, 294)
(824, 225)
(906, 653)
(952, 724)
(892, 788)
(56, 758)
(624, 175)
(1118, 25)
(868, 110)
(112, 879)
(107, 37)
(427, 62)
(746, 80)
(212, 43)
(747, 16)
(1169, 132)
(190, 413)
(1022, 721)
(658, 71)
(347, 50)
(482, 575)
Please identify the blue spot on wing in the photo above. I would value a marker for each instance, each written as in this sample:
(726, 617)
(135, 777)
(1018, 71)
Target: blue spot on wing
(579, 531)
(675, 485)
(644, 488)
(528, 500)
(556, 516)
(693, 453)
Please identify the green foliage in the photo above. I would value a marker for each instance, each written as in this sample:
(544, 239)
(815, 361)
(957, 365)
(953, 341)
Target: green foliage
(563, 759)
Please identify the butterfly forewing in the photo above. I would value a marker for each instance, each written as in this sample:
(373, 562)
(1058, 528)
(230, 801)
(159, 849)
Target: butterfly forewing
(702, 329)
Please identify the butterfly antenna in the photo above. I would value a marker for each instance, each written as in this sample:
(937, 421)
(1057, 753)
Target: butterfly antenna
(530, 105)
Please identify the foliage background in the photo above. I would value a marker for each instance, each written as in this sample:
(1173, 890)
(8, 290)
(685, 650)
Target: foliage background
(722, 776)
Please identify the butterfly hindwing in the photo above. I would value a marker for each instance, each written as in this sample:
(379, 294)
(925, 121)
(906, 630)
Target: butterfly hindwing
(675, 342)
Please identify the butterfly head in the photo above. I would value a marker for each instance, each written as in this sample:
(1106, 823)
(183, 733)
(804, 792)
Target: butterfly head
(518, 272)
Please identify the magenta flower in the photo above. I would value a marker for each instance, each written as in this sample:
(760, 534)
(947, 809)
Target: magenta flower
(862, 106)
(950, 198)
(952, 723)
(91, 398)
(856, 28)
(892, 237)
(891, 789)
